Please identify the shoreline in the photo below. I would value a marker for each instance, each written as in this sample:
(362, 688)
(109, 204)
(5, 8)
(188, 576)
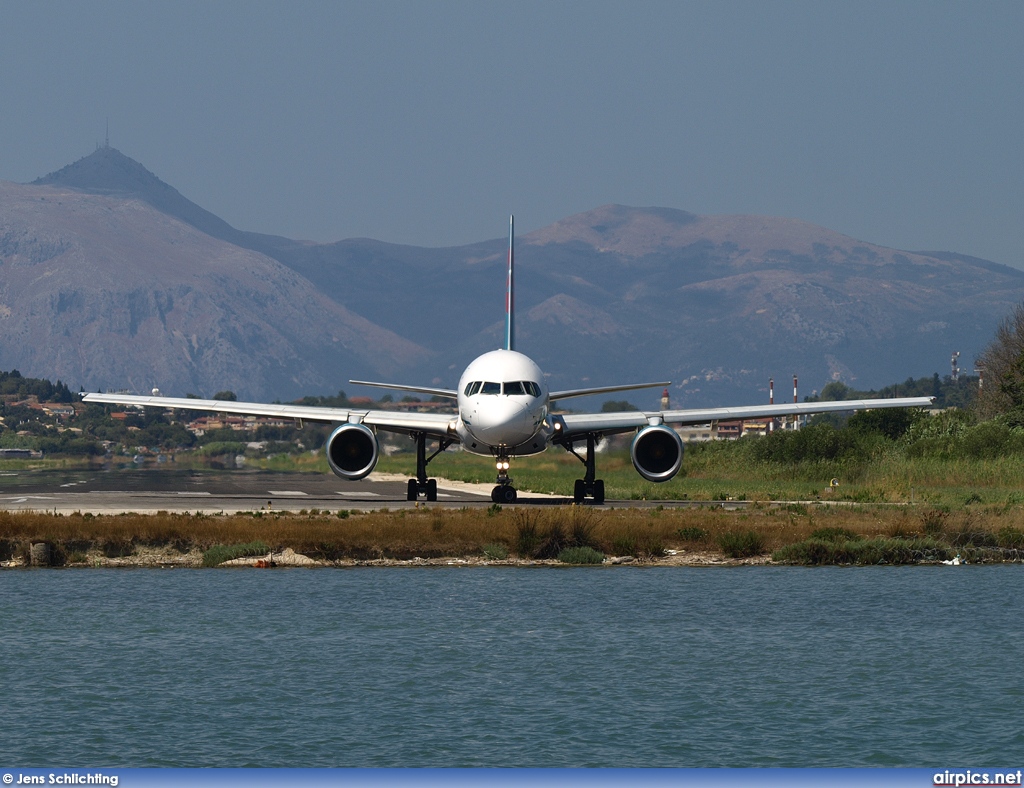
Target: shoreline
(516, 537)
(168, 558)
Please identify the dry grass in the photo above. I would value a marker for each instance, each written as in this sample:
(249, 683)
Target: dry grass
(439, 532)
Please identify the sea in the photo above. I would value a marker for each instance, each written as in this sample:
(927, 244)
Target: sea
(499, 667)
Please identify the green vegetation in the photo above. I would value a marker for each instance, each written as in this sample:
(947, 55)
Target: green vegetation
(13, 385)
(741, 544)
(948, 393)
(218, 554)
(580, 555)
(815, 552)
(495, 552)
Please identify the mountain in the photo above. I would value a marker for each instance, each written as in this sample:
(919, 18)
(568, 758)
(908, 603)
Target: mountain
(717, 304)
(105, 292)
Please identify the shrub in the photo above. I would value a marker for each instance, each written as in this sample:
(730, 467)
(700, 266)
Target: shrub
(582, 522)
(527, 537)
(893, 423)
(816, 442)
(624, 545)
(934, 521)
(692, 533)
(817, 552)
(555, 542)
(741, 544)
(1010, 538)
(7, 549)
(118, 548)
(834, 535)
(580, 555)
(220, 553)
(495, 552)
(811, 552)
(638, 542)
(973, 537)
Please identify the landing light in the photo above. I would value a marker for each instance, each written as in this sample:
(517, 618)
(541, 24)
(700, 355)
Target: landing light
(502, 466)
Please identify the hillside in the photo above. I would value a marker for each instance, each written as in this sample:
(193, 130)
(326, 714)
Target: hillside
(718, 304)
(104, 292)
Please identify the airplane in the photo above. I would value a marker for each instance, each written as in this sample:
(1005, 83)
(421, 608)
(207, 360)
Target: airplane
(504, 412)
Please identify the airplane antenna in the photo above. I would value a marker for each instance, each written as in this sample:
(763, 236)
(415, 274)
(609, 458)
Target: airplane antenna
(510, 291)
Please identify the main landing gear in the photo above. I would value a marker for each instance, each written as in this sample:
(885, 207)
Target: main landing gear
(588, 486)
(504, 492)
(421, 485)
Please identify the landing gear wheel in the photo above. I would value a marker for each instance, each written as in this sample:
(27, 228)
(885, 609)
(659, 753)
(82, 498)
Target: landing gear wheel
(579, 491)
(599, 492)
(504, 493)
(431, 489)
(412, 491)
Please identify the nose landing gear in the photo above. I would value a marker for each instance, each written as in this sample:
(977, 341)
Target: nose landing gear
(504, 492)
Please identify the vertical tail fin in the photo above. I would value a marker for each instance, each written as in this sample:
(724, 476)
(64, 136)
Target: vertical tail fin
(510, 328)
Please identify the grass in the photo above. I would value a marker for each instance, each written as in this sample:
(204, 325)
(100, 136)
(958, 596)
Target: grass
(723, 471)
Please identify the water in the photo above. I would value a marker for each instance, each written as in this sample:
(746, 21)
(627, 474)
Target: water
(753, 666)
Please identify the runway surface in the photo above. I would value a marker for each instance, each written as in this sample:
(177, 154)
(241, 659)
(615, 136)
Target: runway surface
(209, 491)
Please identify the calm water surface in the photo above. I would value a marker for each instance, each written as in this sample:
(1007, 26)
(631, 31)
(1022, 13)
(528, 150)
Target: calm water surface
(756, 666)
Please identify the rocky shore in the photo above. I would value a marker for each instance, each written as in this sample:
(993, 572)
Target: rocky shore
(169, 558)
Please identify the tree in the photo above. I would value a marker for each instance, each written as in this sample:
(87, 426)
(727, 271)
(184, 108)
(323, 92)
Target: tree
(618, 406)
(226, 396)
(1003, 365)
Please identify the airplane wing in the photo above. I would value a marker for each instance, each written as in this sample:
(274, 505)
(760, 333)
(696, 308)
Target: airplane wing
(435, 424)
(603, 390)
(609, 423)
(449, 393)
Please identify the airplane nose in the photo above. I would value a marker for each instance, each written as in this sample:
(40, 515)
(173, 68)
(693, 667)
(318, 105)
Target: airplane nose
(503, 422)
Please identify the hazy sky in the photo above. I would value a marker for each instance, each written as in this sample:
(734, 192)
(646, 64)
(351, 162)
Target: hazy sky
(899, 123)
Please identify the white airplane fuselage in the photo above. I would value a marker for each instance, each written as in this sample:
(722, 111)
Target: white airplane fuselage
(503, 405)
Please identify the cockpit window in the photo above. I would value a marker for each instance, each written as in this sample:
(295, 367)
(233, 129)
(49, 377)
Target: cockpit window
(516, 387)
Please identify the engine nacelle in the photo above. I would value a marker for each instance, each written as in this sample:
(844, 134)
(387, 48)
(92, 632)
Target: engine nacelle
(352, 451)
(657, 453)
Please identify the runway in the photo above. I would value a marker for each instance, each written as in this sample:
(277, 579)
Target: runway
(158, 490)
(99, 491)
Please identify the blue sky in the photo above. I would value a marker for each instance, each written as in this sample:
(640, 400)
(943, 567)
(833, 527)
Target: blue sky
(899, 123)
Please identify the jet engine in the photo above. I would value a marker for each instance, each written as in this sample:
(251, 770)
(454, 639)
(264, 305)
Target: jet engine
(352, 451)
(657, 453)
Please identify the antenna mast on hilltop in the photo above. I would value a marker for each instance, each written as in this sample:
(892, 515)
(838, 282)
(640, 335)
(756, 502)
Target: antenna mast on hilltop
(955, 368)
(107, 144)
